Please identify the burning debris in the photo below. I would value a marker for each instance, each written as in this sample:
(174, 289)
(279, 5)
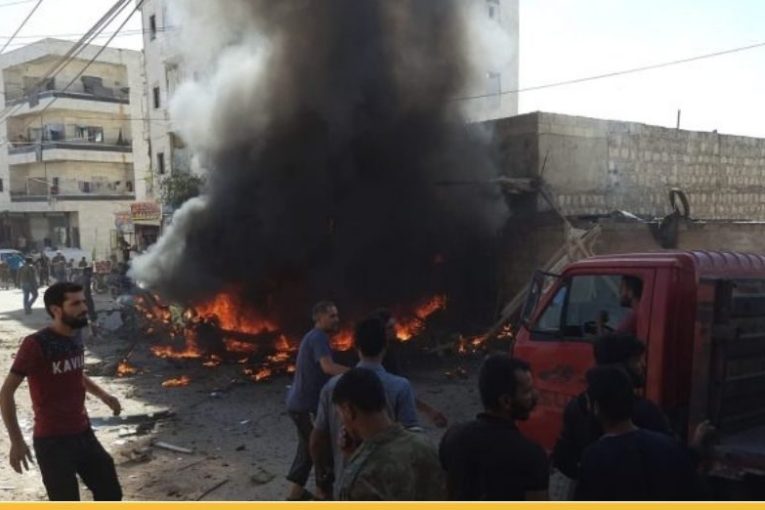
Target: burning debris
(323, 160)
(177, 382)
(125, 369)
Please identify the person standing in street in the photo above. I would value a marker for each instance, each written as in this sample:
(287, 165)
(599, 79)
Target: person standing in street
(370, 340)
(28, 283)
(489, 459)
(313, 369)
(43, 268)
(389, 463)
(52, 361)
(628, 463)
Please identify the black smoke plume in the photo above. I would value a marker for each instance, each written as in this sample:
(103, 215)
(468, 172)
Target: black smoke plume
(328, 129)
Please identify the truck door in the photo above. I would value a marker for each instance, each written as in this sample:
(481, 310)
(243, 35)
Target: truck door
(559, 336)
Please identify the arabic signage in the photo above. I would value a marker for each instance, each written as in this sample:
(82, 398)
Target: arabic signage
(146, 211)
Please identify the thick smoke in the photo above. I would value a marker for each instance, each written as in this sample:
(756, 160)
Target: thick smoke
(332, 141)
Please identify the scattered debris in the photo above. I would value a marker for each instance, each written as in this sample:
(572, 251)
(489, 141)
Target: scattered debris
(241, 448)
(195, 463)
(261, 476)
(457, 373)
(132, 419)
(213, 488)
(171, 447)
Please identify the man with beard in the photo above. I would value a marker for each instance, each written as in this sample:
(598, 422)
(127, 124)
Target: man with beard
(488, 458)
(313, 368)
(580, 425)
(65, 446)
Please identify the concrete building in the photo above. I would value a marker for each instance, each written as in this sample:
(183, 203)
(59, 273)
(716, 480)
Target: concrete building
(616, 178)
(71, 159)
(493, 93)
(164, 71)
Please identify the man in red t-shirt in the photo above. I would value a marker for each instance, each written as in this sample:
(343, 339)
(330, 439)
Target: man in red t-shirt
(65, 446)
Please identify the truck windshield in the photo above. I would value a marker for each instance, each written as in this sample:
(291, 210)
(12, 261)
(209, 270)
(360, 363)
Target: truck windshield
(585, 306)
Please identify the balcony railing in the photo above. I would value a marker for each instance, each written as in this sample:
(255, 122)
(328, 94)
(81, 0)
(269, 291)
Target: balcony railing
(68, 136)
(27, 147)
(21, 98)
(37, 189)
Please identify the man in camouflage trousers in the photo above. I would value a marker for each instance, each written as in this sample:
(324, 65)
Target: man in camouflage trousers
(390, 464)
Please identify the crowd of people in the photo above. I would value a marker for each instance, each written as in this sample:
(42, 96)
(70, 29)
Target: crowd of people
(358, 428)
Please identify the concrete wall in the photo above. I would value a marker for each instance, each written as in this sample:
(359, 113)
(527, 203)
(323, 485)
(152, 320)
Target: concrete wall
(598, 166)
(163, 69)
(15, 77)
(94, 219)
(497, 60)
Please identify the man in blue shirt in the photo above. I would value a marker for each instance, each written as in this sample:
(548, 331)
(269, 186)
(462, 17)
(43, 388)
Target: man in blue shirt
(313, 368)
(370, 341)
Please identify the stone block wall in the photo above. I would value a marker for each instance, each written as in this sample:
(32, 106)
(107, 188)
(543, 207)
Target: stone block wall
(595, 166)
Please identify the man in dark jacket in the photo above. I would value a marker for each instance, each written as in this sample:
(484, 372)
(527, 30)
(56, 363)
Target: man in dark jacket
(580, 426)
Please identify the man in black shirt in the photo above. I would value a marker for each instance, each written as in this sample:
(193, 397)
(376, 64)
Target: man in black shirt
(488, 458)
(581, 428)
(628, 463)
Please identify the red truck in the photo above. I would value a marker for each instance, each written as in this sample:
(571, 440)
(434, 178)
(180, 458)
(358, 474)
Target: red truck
(702, 317)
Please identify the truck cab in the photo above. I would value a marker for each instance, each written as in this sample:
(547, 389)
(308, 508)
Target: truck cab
(702, 318)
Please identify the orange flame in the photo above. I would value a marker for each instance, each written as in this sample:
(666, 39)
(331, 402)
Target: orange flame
(409, 327)
(233, 315)
(125, 369)
(177, 382)
(258, 375)
(190, 351)
(342, 341)
(213, 361)
(239, 347)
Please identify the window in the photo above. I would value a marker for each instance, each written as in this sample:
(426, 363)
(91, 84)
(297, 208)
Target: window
(2, 186)
(157, 97)
(578, 305)
(493, 6)
(152, 27)
(86, 187)
(89, 133)
(54, 187)
(161, 163)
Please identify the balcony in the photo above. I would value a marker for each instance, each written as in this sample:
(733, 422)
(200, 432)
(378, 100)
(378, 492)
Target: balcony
(69, 143)
(40, 190)
(60, 94)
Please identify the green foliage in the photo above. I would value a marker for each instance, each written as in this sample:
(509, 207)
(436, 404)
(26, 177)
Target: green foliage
(176, 189)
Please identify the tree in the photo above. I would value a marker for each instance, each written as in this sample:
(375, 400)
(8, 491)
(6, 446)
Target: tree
(180, 187)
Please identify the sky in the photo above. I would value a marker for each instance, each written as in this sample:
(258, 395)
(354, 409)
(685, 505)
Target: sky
(562, 40)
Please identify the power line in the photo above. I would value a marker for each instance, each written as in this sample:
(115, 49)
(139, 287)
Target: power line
(9, 4)
(75, 50)
(133, 31)
(616, 73)
(23, 23)
(95, 57)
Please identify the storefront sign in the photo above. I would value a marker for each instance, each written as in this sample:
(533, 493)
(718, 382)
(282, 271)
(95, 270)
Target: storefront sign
(146, 211)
